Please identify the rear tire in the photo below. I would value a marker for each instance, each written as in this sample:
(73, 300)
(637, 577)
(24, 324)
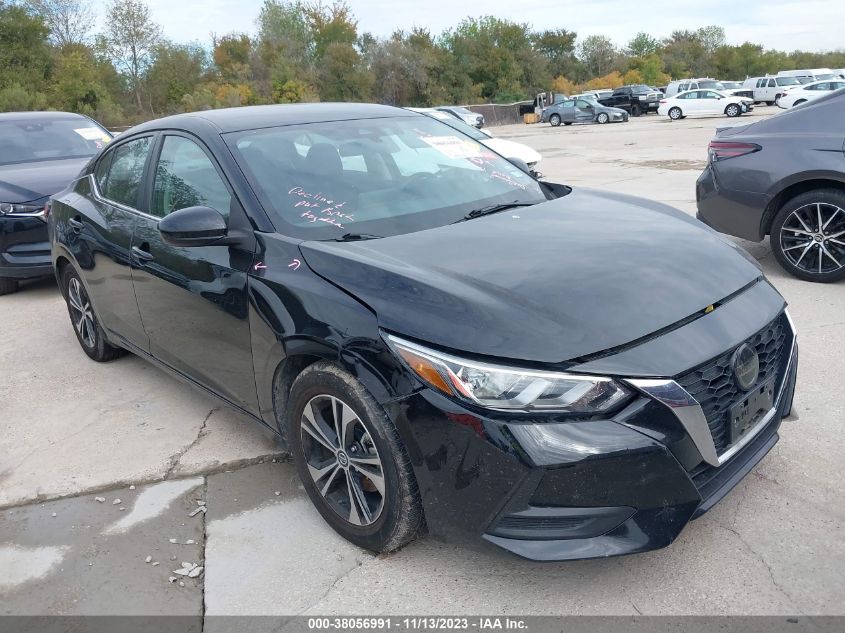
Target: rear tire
(88, 331)
(8, 286)
(799, 102)
(770, 103)
(675, 113)
(554, 120)
(802, 253)
(567, 122)
(380, 512)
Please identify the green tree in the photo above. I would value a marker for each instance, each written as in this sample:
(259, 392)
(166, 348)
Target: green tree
(643, 45)
(330, 25)
(598, 54)
(176, 70)
(69, 21)
(130, 38)
(25, 58)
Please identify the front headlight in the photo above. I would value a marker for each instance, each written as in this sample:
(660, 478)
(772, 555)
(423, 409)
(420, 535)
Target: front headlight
(21, 210)
(508, 388)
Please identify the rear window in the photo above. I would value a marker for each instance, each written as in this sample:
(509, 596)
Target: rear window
(38, 139)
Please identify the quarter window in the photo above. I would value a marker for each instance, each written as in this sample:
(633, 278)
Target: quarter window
(186, 177)
(125, 172)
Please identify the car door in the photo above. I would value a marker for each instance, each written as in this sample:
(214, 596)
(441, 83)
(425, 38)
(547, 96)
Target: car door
(193, 300)
(710, 102)
(584, 112)
(692, 105)
(108, 212)
(567, 111)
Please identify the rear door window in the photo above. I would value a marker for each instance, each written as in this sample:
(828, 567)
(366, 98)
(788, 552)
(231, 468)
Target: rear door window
(126, 171)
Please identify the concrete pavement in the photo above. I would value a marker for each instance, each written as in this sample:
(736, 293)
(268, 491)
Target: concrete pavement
(74, 430)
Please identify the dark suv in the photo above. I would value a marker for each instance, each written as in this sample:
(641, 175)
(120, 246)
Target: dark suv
(40, 153)
(440, 340)
(637, 99)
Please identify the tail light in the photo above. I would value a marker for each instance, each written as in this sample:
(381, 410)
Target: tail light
(722, 150)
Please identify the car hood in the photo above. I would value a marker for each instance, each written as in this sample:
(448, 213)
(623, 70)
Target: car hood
(26, 182)
(547, 284)
(510, 149)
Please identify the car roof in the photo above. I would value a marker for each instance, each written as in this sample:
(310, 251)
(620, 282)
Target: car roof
(43, 116)
(255, 117)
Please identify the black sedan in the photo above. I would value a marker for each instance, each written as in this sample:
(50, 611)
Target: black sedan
(440, 340)
(40, 153)
(783, 177)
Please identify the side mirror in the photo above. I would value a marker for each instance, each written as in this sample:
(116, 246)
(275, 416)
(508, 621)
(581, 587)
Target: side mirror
(523, 166)
(194, 226)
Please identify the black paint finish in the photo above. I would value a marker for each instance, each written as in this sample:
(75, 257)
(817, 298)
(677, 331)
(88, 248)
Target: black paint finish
(607, 283)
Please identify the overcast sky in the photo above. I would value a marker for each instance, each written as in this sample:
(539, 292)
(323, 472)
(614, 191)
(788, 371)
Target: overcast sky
(814, 25)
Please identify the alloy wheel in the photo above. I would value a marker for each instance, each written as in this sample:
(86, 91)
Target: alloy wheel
(342, 460)
(81, 313)
(813, 238)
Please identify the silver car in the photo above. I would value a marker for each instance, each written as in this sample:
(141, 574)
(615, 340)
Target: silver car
(464, 114)
(582, 110)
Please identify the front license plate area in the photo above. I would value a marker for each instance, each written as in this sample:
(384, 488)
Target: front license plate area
(749, 410)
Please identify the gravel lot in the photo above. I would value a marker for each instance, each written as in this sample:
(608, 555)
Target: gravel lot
(74, 431)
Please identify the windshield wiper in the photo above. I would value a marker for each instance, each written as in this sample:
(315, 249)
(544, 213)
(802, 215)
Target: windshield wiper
(493, 208)
(356, 237)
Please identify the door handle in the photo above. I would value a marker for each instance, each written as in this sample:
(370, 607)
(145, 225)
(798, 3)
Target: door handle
(75, 224)
(141, 254)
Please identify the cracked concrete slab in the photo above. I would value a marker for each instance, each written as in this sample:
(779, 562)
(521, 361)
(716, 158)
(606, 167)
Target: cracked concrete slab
(269, 554)
(83, 568)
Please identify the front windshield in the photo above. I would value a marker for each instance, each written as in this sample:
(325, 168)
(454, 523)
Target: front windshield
(640, 88)
(375, 177)
(27, 140)
(787, 81)
(712, 85)
(825, 76)
(731, 85)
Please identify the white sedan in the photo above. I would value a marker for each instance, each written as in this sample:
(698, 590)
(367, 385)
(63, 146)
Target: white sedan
(704, 103)
(503, 147)
(808, 92)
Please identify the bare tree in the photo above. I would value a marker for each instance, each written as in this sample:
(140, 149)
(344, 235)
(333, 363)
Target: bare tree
(69, 21)
(130, 37)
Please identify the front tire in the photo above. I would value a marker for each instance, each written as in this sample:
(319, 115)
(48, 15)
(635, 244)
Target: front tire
(636, 110)
(770, 103)
(351, 460)
(554, 120)
(602, 118)
(675, 113)
(808, 236)
(8, 286)
(88, 331)
(733, 110)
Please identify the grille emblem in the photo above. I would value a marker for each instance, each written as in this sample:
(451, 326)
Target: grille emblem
(745, 365)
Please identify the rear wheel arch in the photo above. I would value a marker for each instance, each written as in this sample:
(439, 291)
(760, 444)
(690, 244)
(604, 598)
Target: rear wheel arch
(790, 192)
